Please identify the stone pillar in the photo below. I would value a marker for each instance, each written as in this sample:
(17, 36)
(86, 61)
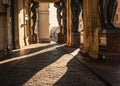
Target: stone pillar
(43, 31)
(9, 30)
(95, 28)
(86, 25)
(3, 31)
(92, 26)
(27, 16)
(69, 23)
(64, 20)
(21, 23)
(16, 23)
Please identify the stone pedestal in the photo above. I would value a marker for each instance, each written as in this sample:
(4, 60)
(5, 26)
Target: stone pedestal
(62, 38)
(76, 40)
(109, 43)
(44, 40)
(34, 38)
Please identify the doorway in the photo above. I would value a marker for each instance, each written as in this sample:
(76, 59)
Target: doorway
(48, 28)
(53, 27)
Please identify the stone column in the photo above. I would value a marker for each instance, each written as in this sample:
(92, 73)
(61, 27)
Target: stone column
(95, 28)
(27, 20)
(69, 23)
(21, 23)
(9, 30)
(43, 26)
(86, 25)
(3, 30)
(92, 26)
(16, 28)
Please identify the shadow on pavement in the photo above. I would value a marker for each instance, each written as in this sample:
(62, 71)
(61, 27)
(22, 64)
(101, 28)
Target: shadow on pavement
(26, 51)
(25, 68)
(28, 66)
(78, 75)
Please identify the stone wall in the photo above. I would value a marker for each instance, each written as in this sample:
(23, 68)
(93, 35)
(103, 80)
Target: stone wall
(21, 23)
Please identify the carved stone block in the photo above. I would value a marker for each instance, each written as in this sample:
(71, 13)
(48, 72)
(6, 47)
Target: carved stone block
(34, 38)
(62, 38)
(109, 44)
(76, 40)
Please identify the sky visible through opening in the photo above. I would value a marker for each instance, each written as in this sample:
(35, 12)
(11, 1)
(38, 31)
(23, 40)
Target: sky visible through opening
(52, 16)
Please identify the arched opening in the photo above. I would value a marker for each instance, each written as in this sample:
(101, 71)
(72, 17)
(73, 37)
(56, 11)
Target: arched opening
(53, 27)
(52, 17)
(47, 25)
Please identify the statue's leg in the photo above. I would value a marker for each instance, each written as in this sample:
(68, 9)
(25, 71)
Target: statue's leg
(105, 8)
(34, 23)
(74, 21)
(59, 19)
(73, 17)
(77, 19)
(102, 11)
(111, 10)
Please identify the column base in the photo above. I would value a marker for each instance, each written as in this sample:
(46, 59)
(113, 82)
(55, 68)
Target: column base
(44, 40)
(76, 40)
(34, 39)
(62, 38)
(109, 43)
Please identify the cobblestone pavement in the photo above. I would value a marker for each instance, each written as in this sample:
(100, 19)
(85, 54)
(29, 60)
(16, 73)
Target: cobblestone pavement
(49, 65)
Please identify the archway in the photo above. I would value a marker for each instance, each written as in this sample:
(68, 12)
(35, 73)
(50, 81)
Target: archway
(43, 20)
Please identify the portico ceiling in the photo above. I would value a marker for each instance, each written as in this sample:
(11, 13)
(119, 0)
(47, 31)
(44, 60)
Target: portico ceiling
(46, 0)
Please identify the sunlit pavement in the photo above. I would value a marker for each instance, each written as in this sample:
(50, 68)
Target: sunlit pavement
(46, 65)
